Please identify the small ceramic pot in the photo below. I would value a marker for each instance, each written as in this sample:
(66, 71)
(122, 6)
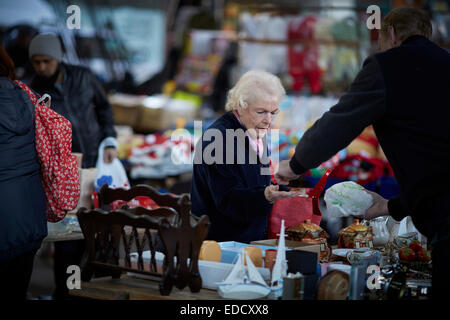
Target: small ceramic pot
(310, 233)
(356, 236)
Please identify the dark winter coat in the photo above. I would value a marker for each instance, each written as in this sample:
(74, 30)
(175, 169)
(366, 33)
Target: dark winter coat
(83, 102)
(23, 222)
(404, 93)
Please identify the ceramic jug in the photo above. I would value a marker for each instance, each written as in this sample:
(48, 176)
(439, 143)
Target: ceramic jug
(380, 231)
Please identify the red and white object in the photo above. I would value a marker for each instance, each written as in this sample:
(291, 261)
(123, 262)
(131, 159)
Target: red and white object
(59, 168)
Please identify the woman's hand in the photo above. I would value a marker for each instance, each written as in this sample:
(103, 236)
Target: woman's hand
(271, 193)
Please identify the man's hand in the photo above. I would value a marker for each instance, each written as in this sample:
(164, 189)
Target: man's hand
(285, 173)
(109, 154)
(271, 193)
(379, 207)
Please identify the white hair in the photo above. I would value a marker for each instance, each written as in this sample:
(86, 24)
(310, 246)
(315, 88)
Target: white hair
(253, 85)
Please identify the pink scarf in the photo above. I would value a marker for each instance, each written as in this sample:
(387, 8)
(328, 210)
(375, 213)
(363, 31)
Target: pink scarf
(256, 144)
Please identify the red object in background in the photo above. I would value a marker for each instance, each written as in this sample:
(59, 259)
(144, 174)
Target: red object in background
(95, 199)
(374, 34)
(270, 258)
(139, 201)
(298, 209)
(423, 255)
(115, 205)
(303, 57)
(416, 246)
(361, 169)
(406, 254)
(152, 146)
(369, 139)
(59, 167)
(143, 201)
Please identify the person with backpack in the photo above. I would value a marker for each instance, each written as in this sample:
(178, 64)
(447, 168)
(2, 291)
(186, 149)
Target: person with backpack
(23, 222)
(77, 95)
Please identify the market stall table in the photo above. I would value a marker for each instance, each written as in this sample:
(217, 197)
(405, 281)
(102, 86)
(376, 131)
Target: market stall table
(130, 288)
(65, 236)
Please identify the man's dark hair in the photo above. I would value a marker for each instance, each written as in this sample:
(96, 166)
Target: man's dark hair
(407, 22)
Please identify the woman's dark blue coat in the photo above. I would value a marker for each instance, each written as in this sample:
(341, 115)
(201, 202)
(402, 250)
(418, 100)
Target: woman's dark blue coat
(23, 223)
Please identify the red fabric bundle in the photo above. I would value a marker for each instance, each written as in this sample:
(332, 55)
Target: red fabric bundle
(59, 169)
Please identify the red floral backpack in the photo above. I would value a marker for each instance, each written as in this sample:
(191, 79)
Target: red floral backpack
(59, 169)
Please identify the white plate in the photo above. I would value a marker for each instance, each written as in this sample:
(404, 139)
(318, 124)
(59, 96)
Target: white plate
(342, 252)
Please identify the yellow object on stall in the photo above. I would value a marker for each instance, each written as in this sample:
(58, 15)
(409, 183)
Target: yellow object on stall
(183, 95)
(180, 123)
(255, 254)
(210, 251)
(169, 87)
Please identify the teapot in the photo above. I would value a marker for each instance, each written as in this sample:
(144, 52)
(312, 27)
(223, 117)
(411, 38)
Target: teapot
(356, 236)
(309, 232)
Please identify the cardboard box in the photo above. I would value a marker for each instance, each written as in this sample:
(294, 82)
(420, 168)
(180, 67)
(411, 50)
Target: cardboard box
(290, 244)
(126, 109)
(148, 114)
(125, 115)
(161, 113)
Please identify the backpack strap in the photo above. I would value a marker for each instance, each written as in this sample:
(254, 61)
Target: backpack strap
(31, 95)
(27, 89)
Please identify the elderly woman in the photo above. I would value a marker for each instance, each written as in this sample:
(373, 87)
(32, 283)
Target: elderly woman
(231, 179)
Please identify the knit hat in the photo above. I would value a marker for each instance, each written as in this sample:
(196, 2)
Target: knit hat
(47, 44)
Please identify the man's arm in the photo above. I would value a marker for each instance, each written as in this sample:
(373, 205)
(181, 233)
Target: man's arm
(396, 208)
(382, 207)
(360, 107)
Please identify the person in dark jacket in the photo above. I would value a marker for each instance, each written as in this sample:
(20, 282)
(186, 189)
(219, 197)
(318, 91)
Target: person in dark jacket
(23, 221)
(231, 180)
(77, 95)
(404, 92)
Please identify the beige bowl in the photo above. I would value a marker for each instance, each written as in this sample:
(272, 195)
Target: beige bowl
(255, 253)
(210, 251)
